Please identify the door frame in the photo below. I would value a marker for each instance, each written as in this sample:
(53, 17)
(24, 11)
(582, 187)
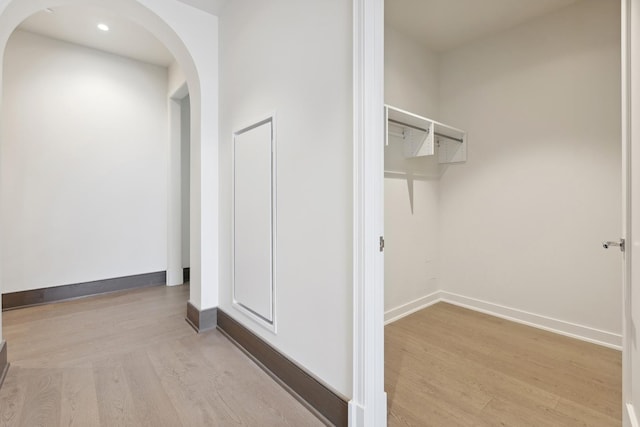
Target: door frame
(369, 404)
(630, 78)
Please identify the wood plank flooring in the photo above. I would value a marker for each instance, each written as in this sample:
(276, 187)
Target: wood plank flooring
(130, 359)
(447, 366)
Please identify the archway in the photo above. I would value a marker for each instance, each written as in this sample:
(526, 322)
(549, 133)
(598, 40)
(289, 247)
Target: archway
(188, 34)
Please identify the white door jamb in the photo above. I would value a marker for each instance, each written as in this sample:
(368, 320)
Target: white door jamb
(369, 404)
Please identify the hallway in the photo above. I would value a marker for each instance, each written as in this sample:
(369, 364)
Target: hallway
(130, 359)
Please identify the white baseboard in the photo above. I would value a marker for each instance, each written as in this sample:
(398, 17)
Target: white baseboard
(631, 417)
(581, 332)
(584, 333)
(404, 310)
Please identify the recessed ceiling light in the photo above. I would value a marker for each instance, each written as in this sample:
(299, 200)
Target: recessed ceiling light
(103, 27)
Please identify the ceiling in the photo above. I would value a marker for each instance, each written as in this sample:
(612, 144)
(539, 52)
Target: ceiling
(78, 24)
(214, 7)
(446, 24)
(438, 24)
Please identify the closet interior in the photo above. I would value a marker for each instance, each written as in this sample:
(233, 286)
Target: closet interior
(502, 178)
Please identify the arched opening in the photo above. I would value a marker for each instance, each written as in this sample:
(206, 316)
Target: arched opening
(157, 19)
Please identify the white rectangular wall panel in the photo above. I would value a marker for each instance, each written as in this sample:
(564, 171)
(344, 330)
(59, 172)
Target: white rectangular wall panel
(253, 278)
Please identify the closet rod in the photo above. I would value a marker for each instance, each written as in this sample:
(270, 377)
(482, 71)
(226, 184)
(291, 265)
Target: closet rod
(441, 135)
(407, 125)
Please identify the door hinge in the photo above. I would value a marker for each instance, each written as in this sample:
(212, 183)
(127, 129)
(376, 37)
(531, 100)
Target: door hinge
(381, 243)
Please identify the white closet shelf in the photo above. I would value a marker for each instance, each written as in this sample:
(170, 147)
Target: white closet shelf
(423, 137)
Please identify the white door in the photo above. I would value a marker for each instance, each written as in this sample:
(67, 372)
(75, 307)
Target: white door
(631, 208)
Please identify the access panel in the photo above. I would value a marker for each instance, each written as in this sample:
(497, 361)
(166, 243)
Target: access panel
(253, 220)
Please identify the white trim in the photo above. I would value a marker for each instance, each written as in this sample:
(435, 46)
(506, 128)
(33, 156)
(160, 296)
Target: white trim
(626, 21)
(561, 327)
(631, 416)
(356, 414)
(411, 307)
(369, 405)
(573, 330)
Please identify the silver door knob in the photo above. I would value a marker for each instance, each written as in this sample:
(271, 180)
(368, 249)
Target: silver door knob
(619, 243)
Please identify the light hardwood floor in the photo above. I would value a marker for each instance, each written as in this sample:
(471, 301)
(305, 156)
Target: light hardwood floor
(447, 366)
(130, 359)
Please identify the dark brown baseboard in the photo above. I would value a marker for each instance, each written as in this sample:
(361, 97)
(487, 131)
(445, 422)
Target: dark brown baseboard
(201, 320)
(4, 362)
(21, 299)
(326, 403)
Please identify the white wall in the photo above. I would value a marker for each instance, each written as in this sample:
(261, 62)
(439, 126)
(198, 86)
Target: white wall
(522, 220)
(84, 146)
(411, 185)
(411, 79)
(306, 80)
